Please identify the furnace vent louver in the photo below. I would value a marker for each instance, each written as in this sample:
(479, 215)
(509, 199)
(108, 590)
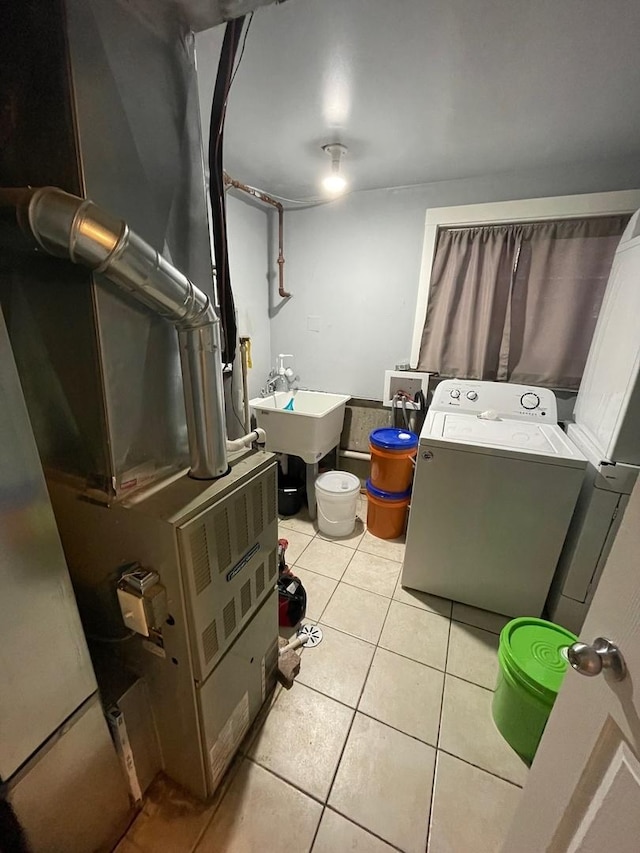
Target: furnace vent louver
(210, 642)
(271, 497)
(230, 566)
(272, 565)
(259, 581)
(200, 558)
(258, 511)
(245, 598)
(223, 540)
(229, 617)
(242, 523)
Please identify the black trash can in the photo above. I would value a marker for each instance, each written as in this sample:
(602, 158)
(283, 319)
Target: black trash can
(290, 494)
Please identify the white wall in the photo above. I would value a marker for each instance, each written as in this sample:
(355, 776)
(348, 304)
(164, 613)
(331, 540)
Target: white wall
(249, 261)
(355, 265)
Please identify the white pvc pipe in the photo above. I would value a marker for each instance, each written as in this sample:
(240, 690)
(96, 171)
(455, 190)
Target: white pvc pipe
(258, 435)
(354, 454)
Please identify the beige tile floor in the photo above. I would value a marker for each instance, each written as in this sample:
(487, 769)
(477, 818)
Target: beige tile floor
(386, 740)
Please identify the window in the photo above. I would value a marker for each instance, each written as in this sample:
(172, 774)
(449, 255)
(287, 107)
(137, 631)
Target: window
(518, 301)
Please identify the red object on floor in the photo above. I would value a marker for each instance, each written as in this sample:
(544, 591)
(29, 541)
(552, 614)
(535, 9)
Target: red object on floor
(292, 600)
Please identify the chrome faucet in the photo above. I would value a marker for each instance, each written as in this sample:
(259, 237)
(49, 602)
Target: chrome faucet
(275, 383)
(280, 378)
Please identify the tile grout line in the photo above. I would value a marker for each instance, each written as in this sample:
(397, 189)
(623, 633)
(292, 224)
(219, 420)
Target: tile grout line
(366, 589)
(355, 710)
(468, 681)
(435, 763)
(482, 769)
(424, 609)
(328, 601)
(349, 583)
(390, 598)
(338, 582)
(352, 587)
(445, 672)
(353, 717)
(241, 755)
(325, 804)
(364, 829)
(383, 649)
(314, 797)
(234, 769)
(477, 627)
(317, 829)
(261, 720)
(225, 783)
(389, 725)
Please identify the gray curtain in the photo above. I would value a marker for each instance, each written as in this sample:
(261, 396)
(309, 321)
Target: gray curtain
(468, 296)
(518, 302)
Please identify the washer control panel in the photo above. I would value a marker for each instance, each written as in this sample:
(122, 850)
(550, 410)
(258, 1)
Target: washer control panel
(493, 400)
(530, 401)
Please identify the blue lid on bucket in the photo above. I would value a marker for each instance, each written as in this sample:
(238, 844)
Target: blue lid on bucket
(387, 496)
(391, 438)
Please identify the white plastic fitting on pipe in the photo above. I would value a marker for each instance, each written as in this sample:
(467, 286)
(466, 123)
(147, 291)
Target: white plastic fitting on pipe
(258, 435)
(354, 454)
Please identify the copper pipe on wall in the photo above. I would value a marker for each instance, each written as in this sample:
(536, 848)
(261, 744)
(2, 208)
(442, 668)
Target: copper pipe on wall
(267, 199)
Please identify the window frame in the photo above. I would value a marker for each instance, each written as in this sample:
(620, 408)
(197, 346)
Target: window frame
(506, 213)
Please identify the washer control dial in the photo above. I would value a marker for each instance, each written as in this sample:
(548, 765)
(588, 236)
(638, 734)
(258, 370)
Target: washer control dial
(454, 393)
(472, 395)
(530, 400)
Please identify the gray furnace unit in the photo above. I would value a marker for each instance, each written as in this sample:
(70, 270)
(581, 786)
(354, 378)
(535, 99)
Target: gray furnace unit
(102, 103)
(210, 662)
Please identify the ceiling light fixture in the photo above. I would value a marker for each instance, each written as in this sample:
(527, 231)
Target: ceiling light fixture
(335, 182)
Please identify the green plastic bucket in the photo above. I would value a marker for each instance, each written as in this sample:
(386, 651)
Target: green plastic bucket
(532, 657)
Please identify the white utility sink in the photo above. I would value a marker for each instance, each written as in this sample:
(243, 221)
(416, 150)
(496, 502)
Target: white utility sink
(310, 431)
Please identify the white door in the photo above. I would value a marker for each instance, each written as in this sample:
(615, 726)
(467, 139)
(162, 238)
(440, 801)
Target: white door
(583, 790)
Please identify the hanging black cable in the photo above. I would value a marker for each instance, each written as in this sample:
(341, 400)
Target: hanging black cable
(224, 78)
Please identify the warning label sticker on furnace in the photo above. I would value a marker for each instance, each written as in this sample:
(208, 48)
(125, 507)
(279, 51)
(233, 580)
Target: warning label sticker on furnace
(229, 739)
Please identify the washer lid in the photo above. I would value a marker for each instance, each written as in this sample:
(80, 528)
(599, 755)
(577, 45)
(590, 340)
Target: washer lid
(503, 434)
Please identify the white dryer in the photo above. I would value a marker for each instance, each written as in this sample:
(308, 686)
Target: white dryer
(496, 484)
(607, 431)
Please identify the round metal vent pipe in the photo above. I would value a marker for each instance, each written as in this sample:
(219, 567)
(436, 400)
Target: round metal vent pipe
(67, 226)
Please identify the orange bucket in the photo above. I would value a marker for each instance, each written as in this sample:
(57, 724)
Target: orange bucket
(392, 453)
(386, 512)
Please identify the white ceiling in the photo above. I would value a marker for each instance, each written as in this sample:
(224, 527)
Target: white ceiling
(428, 90)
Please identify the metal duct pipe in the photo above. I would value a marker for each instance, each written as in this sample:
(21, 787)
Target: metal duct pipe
(67, 226)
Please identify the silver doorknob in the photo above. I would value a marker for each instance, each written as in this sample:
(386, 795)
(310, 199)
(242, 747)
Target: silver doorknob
(591, 660)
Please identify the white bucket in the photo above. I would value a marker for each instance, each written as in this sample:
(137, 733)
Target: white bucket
(337, 502)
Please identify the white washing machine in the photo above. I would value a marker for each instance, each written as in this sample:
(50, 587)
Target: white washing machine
(496, 485)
